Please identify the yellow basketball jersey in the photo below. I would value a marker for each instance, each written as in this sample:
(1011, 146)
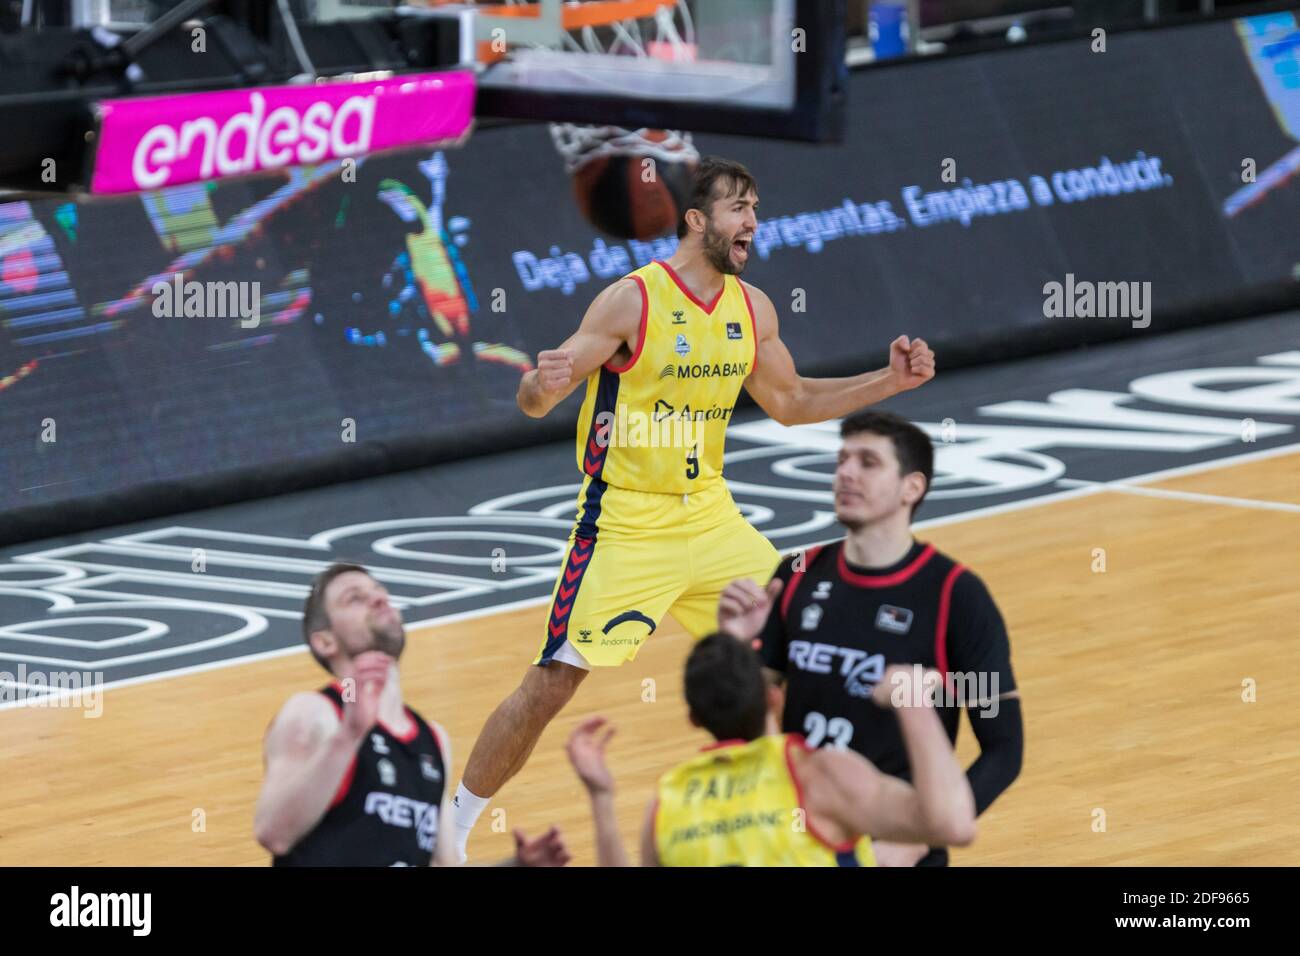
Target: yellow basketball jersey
(658, 423)
(739, 804)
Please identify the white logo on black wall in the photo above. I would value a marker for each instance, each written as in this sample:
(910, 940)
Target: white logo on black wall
(1027, 447)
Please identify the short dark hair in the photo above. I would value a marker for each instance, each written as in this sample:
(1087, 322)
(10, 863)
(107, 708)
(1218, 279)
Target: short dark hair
(709, 172)
(725, 690)
(912, 446)
(315, 616)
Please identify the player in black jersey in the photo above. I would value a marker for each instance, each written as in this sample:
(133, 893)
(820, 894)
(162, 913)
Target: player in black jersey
(354, 777)
(834, 617)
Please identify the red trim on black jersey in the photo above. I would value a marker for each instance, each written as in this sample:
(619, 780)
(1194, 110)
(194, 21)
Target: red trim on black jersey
(640, 335)
(796, 740)
(941, 627)
(793, 584)
(415, 728)
(346, 783)
(883, 580)
(708, 309)
(415, 723)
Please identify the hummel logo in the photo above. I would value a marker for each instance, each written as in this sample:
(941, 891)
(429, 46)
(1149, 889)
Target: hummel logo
(584, 636)
(678, 318)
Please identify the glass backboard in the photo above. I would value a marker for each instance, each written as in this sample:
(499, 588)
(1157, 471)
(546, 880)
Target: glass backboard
(755, 67)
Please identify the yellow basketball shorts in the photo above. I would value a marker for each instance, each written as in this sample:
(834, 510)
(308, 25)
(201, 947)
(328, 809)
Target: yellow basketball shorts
(635, 556)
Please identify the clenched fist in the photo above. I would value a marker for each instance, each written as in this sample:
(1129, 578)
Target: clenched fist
(554, 369)
(911, 361)
(743, 608)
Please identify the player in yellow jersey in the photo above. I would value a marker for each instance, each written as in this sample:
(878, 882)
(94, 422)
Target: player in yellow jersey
(758, 797)
(664, 353)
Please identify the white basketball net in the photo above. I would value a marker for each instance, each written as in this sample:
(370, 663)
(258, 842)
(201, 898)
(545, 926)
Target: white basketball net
(580, 145)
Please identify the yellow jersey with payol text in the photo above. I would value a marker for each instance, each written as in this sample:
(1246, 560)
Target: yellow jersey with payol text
(739, 803)
(658, 423)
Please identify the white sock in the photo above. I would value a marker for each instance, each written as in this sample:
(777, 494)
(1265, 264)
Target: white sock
(466, 807)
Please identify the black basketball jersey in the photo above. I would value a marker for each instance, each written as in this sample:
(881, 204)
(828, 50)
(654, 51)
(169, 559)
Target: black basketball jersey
(385, 812)
(834, 630)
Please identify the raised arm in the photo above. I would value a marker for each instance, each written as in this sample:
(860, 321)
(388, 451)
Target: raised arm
(612, 329)
(937, 809)
(792, 399)
(307, 751)
(586, 750)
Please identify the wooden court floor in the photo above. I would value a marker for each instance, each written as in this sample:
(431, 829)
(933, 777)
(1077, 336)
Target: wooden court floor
(1140, 747)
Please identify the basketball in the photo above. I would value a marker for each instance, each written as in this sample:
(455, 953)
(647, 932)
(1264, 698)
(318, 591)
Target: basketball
(630, 194)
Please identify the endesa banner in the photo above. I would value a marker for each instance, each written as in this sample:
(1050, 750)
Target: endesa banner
(155, 141)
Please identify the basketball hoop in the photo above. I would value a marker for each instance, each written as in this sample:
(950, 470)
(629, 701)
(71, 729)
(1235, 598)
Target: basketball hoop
(580, 145)
(728, 64)
(629, 183)
(644, 29)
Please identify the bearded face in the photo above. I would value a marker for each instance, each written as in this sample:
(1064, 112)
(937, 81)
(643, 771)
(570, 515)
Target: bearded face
(361, 617)
(729, 231)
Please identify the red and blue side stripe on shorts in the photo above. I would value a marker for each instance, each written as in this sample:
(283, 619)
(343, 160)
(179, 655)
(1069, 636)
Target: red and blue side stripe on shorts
(584, 533)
